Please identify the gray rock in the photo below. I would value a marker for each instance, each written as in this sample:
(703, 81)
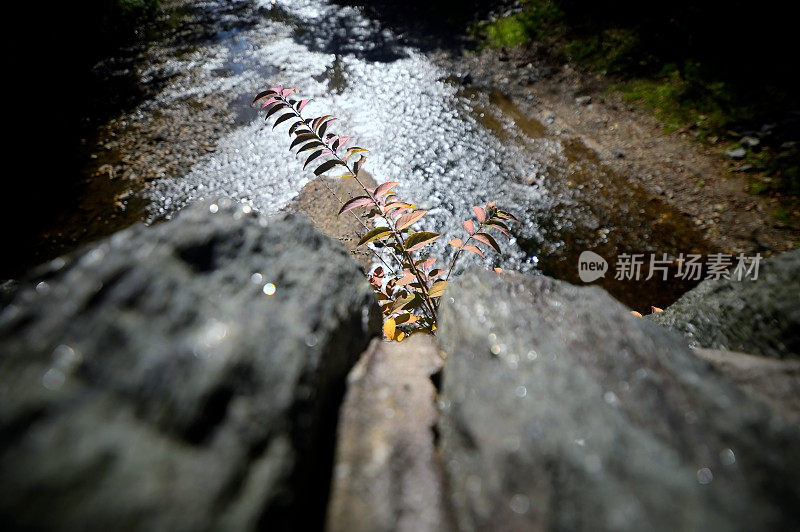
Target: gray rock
(760, 317)
(583, 100)
(560, 410)
(388, 475)
(752, 142)
(735, 153)
(155, 380)
(774, 382)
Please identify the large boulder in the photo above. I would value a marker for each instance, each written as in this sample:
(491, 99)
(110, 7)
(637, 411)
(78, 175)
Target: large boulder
(560, 410)
(760, 317)
(181, 377)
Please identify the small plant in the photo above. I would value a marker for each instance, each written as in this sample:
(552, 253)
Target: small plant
(409, 290)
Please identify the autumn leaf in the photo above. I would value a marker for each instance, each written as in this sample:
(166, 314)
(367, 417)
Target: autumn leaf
(409, 219)
(488, 240)
(374, 234)
(419, 240)
(359, 201)
(389, 327)
(437, 288)
(474, 249)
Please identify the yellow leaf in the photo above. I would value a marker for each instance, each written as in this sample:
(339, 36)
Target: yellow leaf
(389, 327)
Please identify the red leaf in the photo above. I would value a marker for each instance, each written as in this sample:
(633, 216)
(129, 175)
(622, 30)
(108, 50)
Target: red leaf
(500, 226)
(469, 226)
(384, 188)
(436, 273)
(428, 263)
(264, 94)
(269, 101)
(303, 103)
(408, 219)
(456, 242)
(470, 247)
(480, 213)
(488, 240)
(359, 201)
(325, 125)
(407, 278)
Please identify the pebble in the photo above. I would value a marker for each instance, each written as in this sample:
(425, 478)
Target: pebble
(735, 153)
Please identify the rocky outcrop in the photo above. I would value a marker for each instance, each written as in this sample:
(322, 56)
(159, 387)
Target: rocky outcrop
(181, 377)
(774, 382)
(759, 317)
(562, 411)
(387, 474)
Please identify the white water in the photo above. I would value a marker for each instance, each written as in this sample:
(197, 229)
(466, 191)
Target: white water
(418, 131)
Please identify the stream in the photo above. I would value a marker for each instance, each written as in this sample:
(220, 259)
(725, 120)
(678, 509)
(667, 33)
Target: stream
(449, 145)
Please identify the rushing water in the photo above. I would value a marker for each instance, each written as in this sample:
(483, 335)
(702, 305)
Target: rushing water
(450, 147)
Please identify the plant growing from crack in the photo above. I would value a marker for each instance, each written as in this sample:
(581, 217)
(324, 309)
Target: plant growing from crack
(410, 289)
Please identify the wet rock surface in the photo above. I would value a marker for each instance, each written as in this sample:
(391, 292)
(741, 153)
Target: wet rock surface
(759, 317)
(388, 475)
(560, 410)
(185, 376)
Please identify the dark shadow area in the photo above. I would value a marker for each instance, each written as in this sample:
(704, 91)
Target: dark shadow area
(429, 26)
(78, 69)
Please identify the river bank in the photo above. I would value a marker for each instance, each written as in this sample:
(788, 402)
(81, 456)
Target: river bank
(575, 104)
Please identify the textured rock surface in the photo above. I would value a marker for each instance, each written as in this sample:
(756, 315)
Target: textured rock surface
(760, 317)
(775, 382)
(387, 474)
(562, 411)
(156, 381)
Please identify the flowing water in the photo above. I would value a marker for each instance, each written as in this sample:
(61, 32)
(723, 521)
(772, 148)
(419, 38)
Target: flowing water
(449, 146)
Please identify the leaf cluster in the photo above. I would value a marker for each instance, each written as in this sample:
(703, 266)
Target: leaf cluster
(410, 289)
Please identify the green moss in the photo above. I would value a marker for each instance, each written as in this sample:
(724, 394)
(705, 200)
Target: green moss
(536, 21)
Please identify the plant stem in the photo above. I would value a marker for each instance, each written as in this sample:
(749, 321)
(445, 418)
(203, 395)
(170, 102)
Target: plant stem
(430, 307)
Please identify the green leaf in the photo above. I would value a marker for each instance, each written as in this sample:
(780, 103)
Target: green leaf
(437, 288)
(373, 234)
(327, 165)
(419, 240)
